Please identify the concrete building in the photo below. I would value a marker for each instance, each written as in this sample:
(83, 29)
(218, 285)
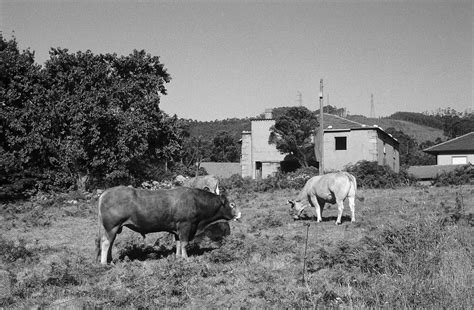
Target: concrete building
(345, 143)
(259, 159)
(457, 151)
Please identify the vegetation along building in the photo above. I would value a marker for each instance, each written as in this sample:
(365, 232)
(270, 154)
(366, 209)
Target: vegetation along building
(457, 151)
(345, 143)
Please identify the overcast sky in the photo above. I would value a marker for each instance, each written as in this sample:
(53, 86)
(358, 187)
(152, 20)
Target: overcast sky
(236, 58)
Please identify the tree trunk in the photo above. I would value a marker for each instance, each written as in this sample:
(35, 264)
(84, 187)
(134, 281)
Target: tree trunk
(81, 181)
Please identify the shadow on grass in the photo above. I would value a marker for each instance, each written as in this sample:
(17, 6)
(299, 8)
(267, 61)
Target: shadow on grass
(344, 218)
(141, 252)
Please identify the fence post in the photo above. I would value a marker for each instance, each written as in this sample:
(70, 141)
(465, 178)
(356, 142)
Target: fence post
(305, 248)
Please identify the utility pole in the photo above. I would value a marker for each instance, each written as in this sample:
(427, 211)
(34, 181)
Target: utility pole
(372, 106)
(321, 127)
(299, 98)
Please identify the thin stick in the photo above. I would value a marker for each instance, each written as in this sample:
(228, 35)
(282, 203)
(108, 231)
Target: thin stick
(305, 247)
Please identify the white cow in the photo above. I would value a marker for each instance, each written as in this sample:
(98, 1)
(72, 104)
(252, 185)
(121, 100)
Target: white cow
(332, 188)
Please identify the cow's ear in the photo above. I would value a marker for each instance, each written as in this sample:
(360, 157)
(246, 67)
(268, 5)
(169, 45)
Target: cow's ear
(223, 198)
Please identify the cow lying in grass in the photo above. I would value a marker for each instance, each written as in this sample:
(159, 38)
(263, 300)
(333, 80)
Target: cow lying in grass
(209, 183)
(331, 188)
(182, 211)
(206, 182)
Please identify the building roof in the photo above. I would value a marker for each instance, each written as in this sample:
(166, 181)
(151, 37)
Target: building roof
(335, 123)
(462, 143)
(430, 172)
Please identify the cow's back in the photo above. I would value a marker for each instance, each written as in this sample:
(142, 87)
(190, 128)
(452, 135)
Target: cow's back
(141, 208)
(327, 184)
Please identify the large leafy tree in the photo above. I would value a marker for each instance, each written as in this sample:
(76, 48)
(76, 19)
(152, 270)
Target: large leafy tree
(411, 153)
(106, 114)
(293, 134)
(195, 150)
(23, 148)
(225, 148)
(81, 116)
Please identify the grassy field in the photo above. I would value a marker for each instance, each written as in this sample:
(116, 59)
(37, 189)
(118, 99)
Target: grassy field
(410, 247)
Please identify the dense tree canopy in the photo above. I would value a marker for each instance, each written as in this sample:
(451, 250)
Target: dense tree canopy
(84, 116)
(225, 148)
(411, 153)
(292, 134)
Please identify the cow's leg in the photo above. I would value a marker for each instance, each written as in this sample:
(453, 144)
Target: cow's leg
(107, 240)
(178, 246)
(318, 205)
(181, 248)
(186, 232)
(352, 206)
(340, 208)
(184, 253)
(144, 239)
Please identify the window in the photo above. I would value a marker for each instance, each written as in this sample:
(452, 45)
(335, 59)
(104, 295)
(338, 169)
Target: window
(459, 160)
(341, 143)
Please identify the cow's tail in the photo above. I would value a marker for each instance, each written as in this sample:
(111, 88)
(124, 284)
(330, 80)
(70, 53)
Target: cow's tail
(98, 250)
(353, 181)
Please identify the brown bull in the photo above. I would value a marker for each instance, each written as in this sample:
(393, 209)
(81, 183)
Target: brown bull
(182, 211)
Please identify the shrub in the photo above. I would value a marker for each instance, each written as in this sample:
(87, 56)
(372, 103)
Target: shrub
(370, 174)
(460, 176)
(11, 252)
(456, 214)
(293, 180)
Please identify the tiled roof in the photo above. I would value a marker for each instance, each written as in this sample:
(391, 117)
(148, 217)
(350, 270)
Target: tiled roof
(337, 122)
(462, 143)
(334, 122)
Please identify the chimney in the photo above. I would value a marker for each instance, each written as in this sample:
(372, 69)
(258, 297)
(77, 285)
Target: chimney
(268, 113)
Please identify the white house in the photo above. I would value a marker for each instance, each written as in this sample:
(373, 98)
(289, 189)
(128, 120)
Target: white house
(345, 142)
(457, 151)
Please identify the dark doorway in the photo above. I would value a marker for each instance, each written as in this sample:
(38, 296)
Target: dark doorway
(258, 170)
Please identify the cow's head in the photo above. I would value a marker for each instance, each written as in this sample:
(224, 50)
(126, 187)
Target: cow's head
(296, 208)
(231, 211)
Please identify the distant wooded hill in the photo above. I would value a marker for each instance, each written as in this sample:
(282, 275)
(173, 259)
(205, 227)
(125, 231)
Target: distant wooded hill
(419, 131)
(208, 130)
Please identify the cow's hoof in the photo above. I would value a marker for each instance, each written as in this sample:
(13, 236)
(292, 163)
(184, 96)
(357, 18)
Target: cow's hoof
(338, 223)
